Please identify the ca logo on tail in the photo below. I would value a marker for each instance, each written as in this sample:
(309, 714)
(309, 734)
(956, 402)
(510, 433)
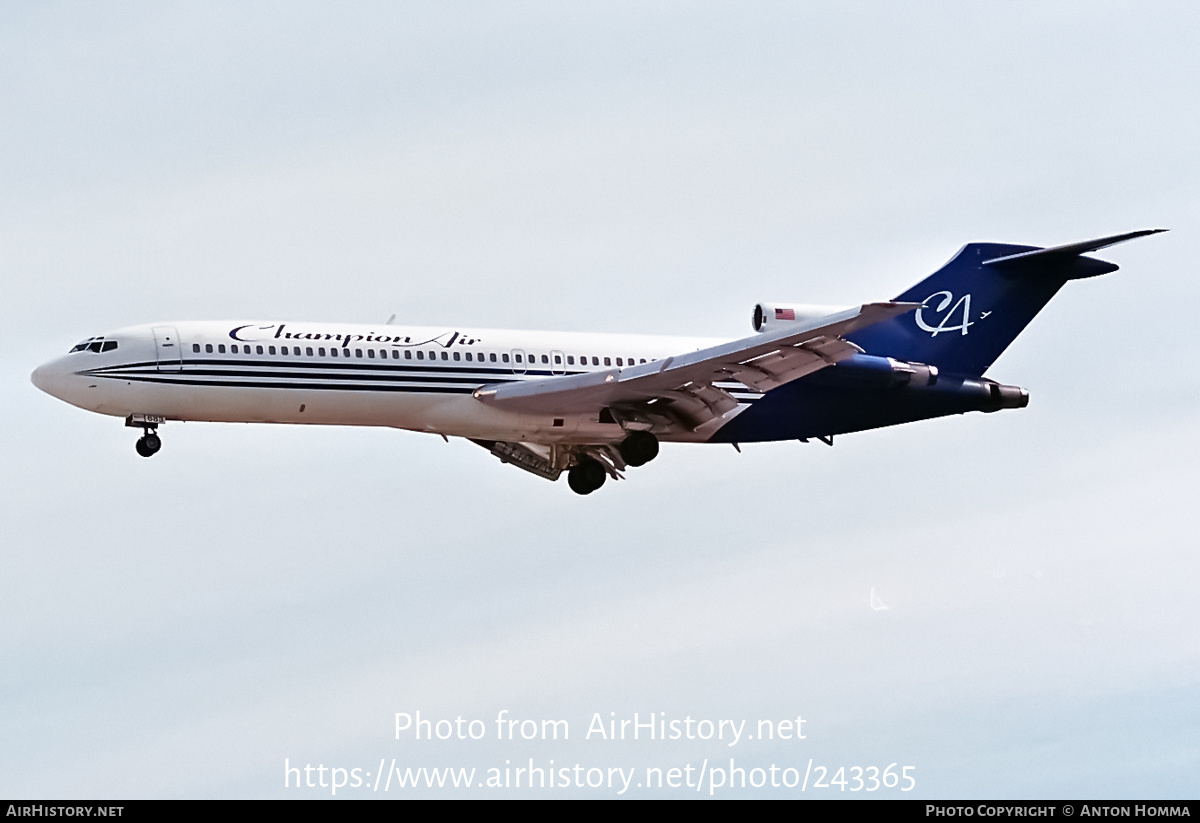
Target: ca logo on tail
(948, 317)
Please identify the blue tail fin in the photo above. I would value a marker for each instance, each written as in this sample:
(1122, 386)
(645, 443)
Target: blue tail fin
(978, 303)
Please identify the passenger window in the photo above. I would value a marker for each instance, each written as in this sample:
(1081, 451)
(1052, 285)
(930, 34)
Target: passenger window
(445, 356)
(420, 355)
(321, 351)
(333, 352)
(408, 354)
(570, 360)
(517, 357)
(221, 348)
(595, 361)
(308, 351)
(296, 350)
(607, 361)
(195, 348)
(270, 349)
(358, 352)
(492, 357)
(503, 357)
(545, 359)
(468, 357)
(371, 353)
(457, 356)
(619, 363)
(395, 354)
(258, 349)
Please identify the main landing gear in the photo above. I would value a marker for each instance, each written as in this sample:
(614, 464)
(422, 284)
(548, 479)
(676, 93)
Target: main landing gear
(639, 448)
(592, 467)
(586, 476)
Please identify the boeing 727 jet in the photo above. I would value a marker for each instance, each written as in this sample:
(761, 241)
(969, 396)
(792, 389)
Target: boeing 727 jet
(593, 405)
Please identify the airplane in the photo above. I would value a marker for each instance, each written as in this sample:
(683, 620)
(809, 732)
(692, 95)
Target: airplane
(594, 405)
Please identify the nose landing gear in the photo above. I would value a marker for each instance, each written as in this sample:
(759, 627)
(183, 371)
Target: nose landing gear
(148, 444)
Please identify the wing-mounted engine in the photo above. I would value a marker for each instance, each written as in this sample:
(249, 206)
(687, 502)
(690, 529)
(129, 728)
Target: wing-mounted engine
(774, 316)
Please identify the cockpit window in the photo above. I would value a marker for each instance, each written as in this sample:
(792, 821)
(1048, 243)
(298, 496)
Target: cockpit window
(95, 344)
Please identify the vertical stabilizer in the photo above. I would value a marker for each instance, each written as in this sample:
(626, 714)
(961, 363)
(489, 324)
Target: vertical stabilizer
(976, 305)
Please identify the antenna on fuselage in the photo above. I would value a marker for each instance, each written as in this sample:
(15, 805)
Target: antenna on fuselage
(391, 319)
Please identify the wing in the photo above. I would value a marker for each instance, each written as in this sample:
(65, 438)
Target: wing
(682, 390)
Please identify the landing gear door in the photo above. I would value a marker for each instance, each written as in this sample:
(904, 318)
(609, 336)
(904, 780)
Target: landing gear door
(166, 348)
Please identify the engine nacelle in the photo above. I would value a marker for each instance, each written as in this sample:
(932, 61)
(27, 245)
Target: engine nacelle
(869, 371)
(912, 374)
(771, 316)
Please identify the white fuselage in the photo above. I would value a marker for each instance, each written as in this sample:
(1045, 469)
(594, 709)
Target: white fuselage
(421, 379)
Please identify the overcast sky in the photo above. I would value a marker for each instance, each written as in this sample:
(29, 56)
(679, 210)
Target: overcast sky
(179, 627)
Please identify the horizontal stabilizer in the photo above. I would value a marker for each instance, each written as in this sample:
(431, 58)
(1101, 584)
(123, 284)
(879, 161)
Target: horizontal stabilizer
(1060, 255)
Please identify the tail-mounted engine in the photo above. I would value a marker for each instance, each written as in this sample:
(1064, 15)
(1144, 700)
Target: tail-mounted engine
(771, 316)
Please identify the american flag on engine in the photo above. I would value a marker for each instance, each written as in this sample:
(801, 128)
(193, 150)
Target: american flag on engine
(785, 314)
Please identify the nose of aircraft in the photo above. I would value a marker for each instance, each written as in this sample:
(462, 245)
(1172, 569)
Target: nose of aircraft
(48, 377)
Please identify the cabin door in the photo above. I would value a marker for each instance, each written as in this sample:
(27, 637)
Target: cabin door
(166, 348)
